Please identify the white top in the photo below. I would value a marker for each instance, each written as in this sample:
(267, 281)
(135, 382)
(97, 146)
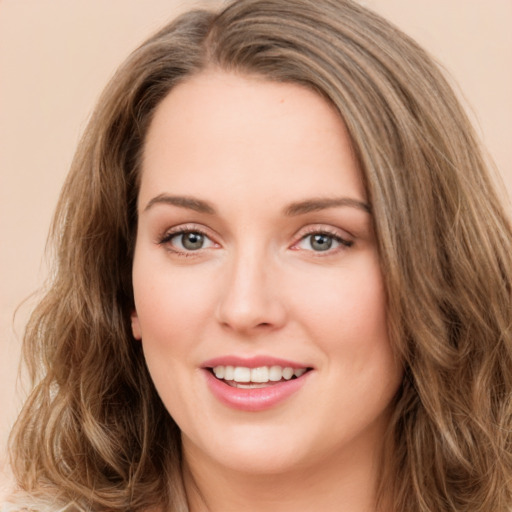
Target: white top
(31, 507)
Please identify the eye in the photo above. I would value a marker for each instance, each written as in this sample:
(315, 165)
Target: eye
(187, 241)
(322, 242)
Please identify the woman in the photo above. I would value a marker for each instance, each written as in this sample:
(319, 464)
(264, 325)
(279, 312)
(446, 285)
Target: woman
(283, 279)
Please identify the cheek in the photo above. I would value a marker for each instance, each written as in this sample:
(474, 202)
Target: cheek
(172, 306)
(346, 308)
(170, 302)
(349, 325)
(348, 322)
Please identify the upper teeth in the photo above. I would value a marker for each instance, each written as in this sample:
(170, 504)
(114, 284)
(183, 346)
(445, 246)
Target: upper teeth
(261, 374)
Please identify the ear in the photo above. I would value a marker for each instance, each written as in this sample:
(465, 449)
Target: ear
(135, 325)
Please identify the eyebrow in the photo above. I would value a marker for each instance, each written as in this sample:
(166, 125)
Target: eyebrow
(296, 208)
(317, 204)
(191, 203)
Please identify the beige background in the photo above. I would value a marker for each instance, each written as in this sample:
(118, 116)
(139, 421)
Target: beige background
(56, 55)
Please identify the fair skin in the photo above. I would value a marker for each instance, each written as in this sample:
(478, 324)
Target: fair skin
(255, 249)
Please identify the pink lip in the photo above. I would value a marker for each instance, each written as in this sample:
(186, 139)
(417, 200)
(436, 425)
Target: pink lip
(255, 399)
(252, 362)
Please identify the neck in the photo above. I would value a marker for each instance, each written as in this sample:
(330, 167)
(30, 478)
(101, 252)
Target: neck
(343, 481)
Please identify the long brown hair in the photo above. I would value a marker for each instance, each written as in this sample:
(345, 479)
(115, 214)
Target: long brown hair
(95, 436)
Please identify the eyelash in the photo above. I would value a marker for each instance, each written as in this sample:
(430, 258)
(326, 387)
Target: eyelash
(334, 235)
(166, 238)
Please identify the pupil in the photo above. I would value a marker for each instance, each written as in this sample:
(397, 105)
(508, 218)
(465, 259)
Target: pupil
(193, 241)
(321, 242)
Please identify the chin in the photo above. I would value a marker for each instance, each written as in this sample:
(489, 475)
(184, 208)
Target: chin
(258, 449)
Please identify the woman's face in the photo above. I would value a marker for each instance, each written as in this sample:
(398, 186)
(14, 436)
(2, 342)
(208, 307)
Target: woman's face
(256, 260)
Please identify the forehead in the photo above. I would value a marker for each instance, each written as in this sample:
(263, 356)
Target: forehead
(221, 132)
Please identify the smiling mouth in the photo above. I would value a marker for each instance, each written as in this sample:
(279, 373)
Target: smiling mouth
(243, 377)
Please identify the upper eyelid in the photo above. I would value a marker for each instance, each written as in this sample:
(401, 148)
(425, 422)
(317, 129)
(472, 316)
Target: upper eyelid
(343, 237)
(185, 228)
(299, 234)
(165, 240)
(325, 229)
(339, 239)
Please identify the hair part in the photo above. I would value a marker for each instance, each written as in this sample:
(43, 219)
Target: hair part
(94, 432)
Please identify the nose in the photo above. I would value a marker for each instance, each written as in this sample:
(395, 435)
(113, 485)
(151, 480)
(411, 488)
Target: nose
(250, 300)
